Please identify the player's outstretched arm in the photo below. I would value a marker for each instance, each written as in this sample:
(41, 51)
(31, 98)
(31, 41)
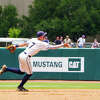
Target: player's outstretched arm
(12, 48)
(58, 46)
(55, 46)
(21, 45)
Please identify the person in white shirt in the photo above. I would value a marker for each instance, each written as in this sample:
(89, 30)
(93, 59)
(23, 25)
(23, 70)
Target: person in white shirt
(68, 41)
(81, 42)
(33, 46)
(95, 44)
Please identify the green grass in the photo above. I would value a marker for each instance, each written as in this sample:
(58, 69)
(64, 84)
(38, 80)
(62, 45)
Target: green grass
(47, 85)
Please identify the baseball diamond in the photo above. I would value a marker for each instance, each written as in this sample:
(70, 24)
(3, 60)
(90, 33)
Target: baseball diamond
(51, 89)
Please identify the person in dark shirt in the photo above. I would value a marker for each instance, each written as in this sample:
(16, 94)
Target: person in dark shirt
(57, 41)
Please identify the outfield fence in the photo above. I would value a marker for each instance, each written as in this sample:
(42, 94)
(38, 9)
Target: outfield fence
(59, 64)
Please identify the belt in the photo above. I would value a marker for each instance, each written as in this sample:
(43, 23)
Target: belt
(26, 53)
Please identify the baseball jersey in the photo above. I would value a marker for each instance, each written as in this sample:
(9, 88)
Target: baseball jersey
(34, 46)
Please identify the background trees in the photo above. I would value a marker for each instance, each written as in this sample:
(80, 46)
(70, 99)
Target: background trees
(72, 17)
(58, 18)
(8, 18)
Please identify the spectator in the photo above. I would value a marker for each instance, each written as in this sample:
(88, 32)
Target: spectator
(81, 42)
(68, 40)
(61, 39)
(95, 44)
(57, 41)
(46, 39)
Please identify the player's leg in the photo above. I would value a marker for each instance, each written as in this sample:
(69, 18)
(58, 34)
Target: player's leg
(14, 70)
(3, 69)
(24, 80)
(25, 66)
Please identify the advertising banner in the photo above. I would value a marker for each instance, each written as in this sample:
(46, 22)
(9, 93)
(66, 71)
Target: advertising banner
(57, 64)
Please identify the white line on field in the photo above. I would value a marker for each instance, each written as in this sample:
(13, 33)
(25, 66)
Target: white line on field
(27, 86)
(7, 86)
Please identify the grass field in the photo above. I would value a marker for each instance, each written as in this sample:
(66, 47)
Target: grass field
(51, 90)
(52, 85)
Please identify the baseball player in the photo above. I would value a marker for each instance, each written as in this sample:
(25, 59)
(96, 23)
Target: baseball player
(33, 46)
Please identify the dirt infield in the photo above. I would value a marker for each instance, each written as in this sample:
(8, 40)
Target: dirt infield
(51, 94)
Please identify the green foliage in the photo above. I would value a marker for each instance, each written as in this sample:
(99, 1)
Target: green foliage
(63, 17)
(8, 18)
(14, 32)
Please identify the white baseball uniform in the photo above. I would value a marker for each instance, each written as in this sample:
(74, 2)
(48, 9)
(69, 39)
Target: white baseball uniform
(34, 46)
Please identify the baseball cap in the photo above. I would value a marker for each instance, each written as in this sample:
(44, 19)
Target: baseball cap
(83, 36)
(41, 33)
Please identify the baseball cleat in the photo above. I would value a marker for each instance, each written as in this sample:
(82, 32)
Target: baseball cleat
(3, 69)
(22, 89)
